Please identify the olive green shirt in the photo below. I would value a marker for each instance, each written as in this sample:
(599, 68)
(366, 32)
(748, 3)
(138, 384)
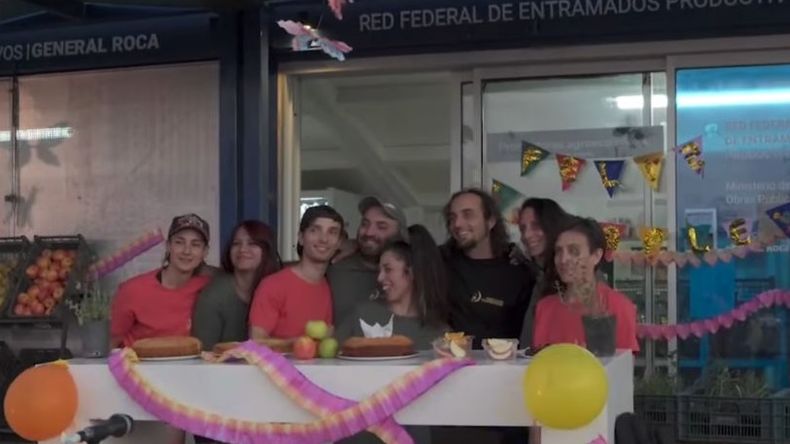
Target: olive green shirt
(377, 312)
(352, 281)
(219, 314)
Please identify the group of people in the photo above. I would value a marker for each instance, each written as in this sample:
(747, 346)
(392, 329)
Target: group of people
(476, 282)
(392, 274)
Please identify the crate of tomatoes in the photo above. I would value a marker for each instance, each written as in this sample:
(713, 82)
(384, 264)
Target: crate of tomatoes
(13, 252)
(55, 269)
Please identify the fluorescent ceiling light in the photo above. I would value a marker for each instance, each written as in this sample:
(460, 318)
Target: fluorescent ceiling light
(709, 100)
(59, 132)
(638, 102)
(734, 98)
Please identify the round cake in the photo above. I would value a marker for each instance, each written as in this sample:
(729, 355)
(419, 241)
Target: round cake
(376, 347)
(167, 346)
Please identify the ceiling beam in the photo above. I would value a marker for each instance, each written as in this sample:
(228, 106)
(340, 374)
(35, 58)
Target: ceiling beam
(71, 9)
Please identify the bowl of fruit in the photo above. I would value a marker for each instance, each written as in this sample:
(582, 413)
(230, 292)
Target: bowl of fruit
(501, 349)
(453, 345)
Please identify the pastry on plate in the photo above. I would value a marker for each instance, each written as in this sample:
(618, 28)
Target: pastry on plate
(360, 347)
(167, 347)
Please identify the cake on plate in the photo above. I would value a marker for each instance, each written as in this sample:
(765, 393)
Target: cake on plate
(359, 347)
(167, 347)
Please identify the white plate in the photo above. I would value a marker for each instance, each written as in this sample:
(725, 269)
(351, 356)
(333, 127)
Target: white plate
(377, 358)
(171, 358)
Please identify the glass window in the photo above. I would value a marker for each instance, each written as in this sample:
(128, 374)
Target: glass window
(740, 115)
(7, 177)
(111, 154)
(613, 117)
(386, 135)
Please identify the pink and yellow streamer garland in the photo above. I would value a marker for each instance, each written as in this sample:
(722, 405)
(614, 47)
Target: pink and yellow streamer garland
(107, 265)
(339, 417)
(702, 327)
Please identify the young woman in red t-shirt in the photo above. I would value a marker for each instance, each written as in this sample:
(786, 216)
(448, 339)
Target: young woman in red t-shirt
(577, 254)
(160, 302)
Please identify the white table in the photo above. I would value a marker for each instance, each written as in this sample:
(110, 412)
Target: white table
(486, 394)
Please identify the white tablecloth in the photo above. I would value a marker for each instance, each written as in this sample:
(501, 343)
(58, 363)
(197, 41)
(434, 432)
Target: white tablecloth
(486, 394)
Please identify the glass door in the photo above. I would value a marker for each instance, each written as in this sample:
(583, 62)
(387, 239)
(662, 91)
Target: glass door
(739, 115)
(599, 119)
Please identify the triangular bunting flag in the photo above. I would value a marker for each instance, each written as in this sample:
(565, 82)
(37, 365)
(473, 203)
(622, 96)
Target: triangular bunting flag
(781, 217)
(505, 195)
(570, 167)
(692, 152)
(610, 171)
(531, 155)
(650, 165)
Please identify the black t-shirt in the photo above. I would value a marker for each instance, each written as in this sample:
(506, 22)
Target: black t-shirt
(488, 297)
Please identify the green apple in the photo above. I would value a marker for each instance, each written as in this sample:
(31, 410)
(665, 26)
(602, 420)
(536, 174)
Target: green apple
(316, 329)
(328, 348)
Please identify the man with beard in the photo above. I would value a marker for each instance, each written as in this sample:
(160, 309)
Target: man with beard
(489, 291)
(353, 279)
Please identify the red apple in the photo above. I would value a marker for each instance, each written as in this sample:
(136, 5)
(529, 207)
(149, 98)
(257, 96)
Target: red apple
(72, 254)
(58, 255)
(32, 271)
(37, 309)
(23, 299)
(46, 253)
(57, 294)
(43, 262)
(19, 310)
(48, 311)
(48, 303)
(304, 348)
(67, 262)
(34, 291)
(63, 274)
(51, 275)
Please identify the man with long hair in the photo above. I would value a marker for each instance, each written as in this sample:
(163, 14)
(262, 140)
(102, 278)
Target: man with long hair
(489, 292)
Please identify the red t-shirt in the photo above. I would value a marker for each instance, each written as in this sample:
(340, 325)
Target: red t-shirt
(143, 308)
(559, 323)
(284, 303)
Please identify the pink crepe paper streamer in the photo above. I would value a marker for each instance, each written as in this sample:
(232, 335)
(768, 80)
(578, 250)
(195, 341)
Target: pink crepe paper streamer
(126, 254)
(381, 406)
(699, 328)
(599, 440)
(337, 7)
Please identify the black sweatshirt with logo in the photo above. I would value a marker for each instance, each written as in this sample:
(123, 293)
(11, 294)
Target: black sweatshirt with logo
(488, 297)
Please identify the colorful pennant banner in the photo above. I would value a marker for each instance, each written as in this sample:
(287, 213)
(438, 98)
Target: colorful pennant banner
(570, 167)
(650, 165)
(700, 328)
(531, 155)
(781, 217)
(692, 152)
(610, 172)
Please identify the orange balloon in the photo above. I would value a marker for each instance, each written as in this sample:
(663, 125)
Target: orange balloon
(41, 402)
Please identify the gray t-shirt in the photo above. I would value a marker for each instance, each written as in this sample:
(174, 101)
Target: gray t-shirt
(353, 281)
(373, 312)
(219, 314)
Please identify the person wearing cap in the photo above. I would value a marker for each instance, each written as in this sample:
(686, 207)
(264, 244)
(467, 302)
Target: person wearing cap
(354, 277)
(285, 301)
(160, 302)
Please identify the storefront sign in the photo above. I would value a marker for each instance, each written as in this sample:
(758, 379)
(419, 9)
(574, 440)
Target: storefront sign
(167, 39)
(420, 25)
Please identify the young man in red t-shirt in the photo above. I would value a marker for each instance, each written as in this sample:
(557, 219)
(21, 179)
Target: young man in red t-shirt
(285, 301)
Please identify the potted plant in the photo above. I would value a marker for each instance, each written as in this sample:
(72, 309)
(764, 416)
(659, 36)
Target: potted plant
(93, 316)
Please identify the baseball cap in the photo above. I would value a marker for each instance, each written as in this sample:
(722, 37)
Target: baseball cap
(189, 222)
(389, 209)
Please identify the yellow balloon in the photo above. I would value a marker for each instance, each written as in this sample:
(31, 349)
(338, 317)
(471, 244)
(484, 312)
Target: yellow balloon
(565, 387)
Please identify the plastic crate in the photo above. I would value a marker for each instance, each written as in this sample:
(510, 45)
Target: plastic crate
(657, 411)
(726, 420)
(13, 254)
(82, 259)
